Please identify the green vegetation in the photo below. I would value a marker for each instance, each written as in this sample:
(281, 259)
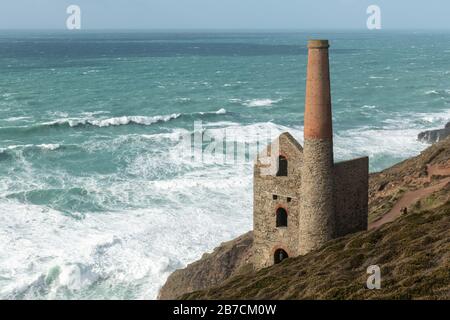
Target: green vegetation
(413, 253)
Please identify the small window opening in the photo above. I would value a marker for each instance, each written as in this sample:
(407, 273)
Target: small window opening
(282, 167)
(282, 218)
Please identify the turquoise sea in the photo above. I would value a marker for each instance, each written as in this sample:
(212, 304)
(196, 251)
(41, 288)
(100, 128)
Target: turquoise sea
(97, 200)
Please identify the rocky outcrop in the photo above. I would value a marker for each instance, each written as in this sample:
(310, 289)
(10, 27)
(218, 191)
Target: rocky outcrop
(229, 259)
(387, 187)
(433, 136)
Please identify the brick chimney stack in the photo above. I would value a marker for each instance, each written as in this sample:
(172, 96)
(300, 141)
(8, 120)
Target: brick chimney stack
(317, 216)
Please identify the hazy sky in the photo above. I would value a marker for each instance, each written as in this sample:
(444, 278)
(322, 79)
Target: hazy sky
(225, 14)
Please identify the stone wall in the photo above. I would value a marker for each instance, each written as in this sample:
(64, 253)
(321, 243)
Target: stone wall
(323, 200)
(317, 205)
(267, 237)
(351, 180)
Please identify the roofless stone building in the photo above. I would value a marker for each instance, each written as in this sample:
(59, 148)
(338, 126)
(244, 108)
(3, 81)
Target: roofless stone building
(306, 199)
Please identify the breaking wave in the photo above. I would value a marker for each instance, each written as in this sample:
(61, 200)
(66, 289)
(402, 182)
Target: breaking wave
(254, 103)
(126, 120)
(43, 147)
(261, 102)
(114, 121)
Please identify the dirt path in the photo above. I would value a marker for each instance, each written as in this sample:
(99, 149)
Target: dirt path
(438, 171)
(413, 196)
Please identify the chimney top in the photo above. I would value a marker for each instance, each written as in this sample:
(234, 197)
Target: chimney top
(318, 44)
(318, 118)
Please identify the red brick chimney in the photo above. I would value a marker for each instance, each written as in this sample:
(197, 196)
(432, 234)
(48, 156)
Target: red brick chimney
(318, 123)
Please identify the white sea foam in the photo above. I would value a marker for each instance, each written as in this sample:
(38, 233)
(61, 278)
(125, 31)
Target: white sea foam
(93, 113)
(383, 146)
(235, 101)
(59, 114)
(12, 119)
(183, 100)
(116, 121)
(219, 124)
(436, 92)
(221, 111)
(432, 120)
(124, 120)
(49, 146)
(368, 107)
(126, 254)
(249, 133)
(261, 102)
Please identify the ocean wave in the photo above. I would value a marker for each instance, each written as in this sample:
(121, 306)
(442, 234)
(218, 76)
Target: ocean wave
(261, 102)
(252, 103)
(368, 107)
(47, 146)
(126, 120)
(124, 255)
(429, 120)
(236, 84)
(443, 92)
(183, 100)
(235, 101)
(113, 121)
(220, 111)
(83, 199)
(384, 146)
(13, 119)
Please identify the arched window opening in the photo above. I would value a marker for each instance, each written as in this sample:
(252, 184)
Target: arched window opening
(282, 167)
(280, 255)
(282, 218)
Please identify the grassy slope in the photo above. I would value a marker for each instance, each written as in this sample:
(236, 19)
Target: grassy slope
(413, 251)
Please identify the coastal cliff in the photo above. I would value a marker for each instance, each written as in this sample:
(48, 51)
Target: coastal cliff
(412, 248)
(229, 259)
(432, 136)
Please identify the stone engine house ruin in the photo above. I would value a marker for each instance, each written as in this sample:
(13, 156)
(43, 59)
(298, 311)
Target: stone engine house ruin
(302, 198)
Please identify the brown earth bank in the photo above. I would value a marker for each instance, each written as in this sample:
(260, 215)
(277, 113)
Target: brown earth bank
(409, 238)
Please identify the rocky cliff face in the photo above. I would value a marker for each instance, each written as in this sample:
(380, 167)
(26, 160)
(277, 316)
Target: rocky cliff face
(387, 187)
(229, 264)
(227, 260)
(432, 136)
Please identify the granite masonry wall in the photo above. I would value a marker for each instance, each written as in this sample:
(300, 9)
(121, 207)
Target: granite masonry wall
(351, 180)
(340, 208)
(270, 193)
(317, 207)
